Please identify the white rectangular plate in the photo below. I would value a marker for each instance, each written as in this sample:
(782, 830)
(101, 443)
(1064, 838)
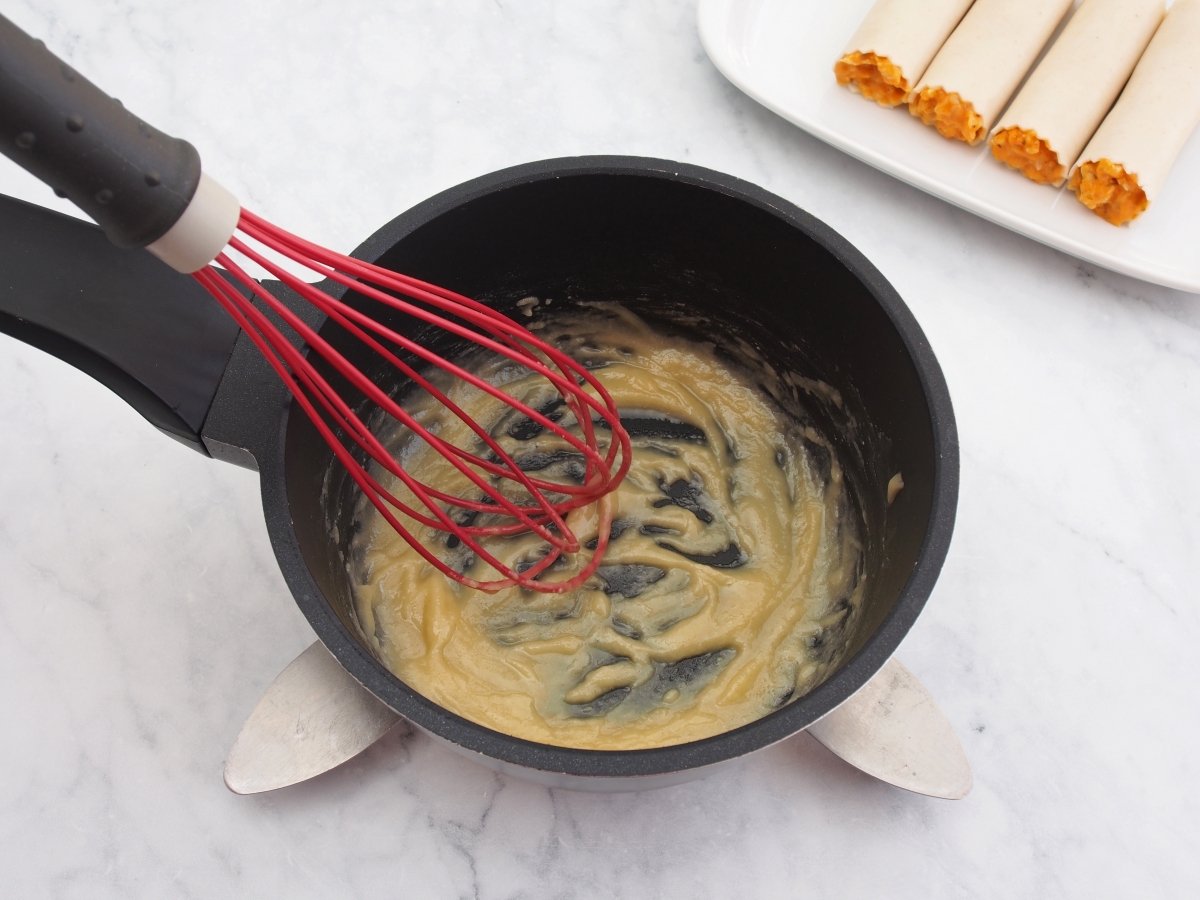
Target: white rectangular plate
(781, 53)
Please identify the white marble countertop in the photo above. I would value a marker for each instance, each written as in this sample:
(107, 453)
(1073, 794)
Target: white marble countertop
(143, 614)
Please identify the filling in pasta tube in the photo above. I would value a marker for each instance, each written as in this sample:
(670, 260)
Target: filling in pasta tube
(982, 62)
(1109, 191)
(893, 46)
(1043, 131)
(1127, 161)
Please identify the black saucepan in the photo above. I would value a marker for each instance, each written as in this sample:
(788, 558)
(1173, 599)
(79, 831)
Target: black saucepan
(674, 242)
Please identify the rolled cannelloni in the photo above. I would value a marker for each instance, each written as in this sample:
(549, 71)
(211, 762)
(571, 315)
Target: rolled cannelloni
(979, 67)
(893, 46)
(1127, 161)
(1065, 99)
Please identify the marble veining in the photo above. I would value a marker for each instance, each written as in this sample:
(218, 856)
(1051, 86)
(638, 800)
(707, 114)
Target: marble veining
(142, 613)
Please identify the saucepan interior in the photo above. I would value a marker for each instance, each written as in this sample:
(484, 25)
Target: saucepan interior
(698, 252)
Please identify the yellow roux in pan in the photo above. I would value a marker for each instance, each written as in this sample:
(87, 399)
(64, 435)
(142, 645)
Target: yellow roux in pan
(732, 584)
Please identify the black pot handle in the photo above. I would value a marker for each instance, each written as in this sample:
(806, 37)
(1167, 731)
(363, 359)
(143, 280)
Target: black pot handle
(153, 336)
(132, 179)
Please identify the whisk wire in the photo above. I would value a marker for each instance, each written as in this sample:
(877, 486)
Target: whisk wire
(511, 333)
(291, 370)
(342, 313)
(349, 272)
(374, 393)
(331, 414)
(380, 454)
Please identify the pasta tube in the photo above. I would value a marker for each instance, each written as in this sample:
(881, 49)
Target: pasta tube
(1065, 99)
(976, 72)
(893, 46)
(1129, 158)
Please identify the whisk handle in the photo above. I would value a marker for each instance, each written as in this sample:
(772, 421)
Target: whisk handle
(132, 179)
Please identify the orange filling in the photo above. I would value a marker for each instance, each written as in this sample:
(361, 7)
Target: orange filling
(1109, 191)
(875, 77)
(1022, 149)
(950, 114)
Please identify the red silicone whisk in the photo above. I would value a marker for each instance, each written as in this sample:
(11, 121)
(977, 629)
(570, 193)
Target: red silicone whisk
(146, 189)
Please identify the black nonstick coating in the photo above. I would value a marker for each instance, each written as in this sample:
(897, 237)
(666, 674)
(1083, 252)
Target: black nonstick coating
(661, 238)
